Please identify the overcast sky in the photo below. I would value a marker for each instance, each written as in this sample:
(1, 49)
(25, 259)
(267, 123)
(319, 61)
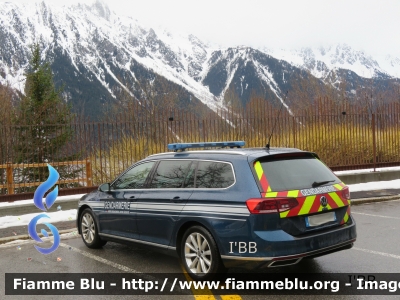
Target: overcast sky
(372, 26)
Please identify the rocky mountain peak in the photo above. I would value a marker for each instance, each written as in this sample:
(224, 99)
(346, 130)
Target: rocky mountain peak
(96, 53)
(101, 9)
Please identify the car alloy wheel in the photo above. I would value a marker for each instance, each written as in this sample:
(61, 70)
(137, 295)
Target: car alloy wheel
(198, 254)
(89, 230)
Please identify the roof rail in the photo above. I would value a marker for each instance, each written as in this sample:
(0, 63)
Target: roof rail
(184, 146)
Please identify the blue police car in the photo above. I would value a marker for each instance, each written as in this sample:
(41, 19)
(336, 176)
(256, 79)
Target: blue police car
(228, 207)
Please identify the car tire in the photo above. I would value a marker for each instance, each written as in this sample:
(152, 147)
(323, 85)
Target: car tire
(200, 255)
(89, 230)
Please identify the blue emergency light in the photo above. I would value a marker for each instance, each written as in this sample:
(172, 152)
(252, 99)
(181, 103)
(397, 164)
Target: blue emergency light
(184, 146)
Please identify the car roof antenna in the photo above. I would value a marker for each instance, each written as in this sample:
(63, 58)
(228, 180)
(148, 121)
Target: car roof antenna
(276, 120)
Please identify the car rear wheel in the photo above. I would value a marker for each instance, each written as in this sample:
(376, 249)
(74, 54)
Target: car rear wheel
(89, 231)
(200, 255)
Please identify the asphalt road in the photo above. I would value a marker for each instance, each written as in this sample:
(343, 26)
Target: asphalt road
(376, 251)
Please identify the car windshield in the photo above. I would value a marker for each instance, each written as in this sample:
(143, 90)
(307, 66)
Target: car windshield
(296, 173)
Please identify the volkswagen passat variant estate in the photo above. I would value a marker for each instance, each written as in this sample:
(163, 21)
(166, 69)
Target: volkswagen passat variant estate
(229, 207)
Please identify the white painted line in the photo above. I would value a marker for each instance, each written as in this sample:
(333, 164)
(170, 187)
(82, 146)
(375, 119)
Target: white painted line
(112, 264)
(100, 259)
(371, 215)
(377, 252)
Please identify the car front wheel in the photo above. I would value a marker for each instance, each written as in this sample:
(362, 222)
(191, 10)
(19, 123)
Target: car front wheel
(90, 235)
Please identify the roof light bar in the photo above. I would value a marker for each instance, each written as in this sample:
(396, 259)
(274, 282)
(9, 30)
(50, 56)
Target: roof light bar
(184, 146)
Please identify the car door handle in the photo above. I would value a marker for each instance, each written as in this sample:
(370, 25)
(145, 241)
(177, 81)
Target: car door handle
(131, 198)
(176, 199)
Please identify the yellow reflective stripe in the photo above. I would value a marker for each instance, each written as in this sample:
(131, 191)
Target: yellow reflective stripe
(199, 294)
(308, 202)
(337, 199)
(293, 193)
(284, 214)
(259, 170)
(346, 217)
(271, 195)
(338, 186)
(230, 297)
(269, 189)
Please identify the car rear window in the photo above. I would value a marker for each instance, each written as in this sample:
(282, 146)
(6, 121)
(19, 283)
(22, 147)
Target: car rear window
(211, 174)
(294, 173)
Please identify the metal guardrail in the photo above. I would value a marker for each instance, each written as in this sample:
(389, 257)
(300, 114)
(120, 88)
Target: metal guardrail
(11, 185)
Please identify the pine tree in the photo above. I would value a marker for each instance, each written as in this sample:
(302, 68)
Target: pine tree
(41, 118)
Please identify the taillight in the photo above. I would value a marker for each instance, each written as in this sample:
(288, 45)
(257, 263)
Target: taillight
(346, 196)
(270, 206)
(346, 193)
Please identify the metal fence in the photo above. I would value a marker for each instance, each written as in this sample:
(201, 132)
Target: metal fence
(96, 152)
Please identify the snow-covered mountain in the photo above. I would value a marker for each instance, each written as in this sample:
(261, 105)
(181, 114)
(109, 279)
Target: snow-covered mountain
(96, 53)
(322, 61)
(91, 45)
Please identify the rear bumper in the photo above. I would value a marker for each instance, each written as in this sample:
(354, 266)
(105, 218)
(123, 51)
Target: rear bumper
(268, 262)
(293, 250)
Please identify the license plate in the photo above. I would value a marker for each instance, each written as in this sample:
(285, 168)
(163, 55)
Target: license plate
(320, 219)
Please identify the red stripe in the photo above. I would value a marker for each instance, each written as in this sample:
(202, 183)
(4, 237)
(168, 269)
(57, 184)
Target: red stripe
(331, 202)
(316, 205)
(295, 211)
(282, 194)
(264, 182)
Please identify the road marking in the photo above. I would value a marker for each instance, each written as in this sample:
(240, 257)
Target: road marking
(231, 297)
(377, 252)
(388, 217)
(113, 264)
(204, 294)
(100, 259)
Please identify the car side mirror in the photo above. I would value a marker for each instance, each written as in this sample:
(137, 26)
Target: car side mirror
(105, 187)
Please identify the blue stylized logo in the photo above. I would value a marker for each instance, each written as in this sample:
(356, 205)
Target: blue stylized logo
(38, 201)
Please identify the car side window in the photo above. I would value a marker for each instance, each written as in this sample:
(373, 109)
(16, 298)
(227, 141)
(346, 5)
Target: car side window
(135, 178)
(170, 174)
(211, 174)
(189, 180)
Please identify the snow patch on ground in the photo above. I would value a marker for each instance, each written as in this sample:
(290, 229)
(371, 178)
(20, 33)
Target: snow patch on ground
(30, 201)
(363, 171)
(23, 220)
(372, 186)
